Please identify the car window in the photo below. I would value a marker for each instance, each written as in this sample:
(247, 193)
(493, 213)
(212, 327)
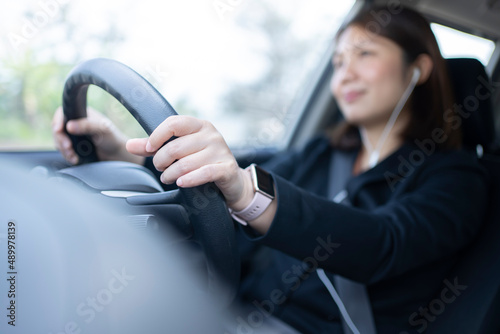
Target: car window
(239, 64)
(455, 43)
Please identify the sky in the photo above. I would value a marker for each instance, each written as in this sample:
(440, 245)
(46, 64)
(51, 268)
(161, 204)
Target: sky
(194, 38)
(193, 49)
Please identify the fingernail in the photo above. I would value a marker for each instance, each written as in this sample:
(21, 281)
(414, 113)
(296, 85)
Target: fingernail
(72, 126)
(180, 182)
(148, 147)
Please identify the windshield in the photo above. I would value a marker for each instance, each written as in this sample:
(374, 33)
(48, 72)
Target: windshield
(240, 64)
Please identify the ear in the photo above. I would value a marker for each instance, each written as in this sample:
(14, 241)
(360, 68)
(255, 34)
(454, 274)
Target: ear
(425, 64)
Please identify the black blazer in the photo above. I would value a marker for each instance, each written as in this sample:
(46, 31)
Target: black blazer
(412, 214)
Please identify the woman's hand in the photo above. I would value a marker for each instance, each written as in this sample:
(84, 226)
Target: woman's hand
(198, 156)
(108, 140)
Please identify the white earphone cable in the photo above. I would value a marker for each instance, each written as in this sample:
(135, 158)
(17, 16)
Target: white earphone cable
(375, 154)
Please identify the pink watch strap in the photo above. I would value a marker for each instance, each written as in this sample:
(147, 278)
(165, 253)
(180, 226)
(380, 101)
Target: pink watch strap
(256, 207)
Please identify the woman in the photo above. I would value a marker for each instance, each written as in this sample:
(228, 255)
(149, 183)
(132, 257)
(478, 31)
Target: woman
(411, 207)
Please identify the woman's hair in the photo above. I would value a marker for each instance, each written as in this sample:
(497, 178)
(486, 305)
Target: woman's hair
(412, 32)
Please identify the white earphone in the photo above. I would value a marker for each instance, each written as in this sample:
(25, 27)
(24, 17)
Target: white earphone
(416, 75)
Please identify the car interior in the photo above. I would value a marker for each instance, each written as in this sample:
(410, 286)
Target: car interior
(476, 87)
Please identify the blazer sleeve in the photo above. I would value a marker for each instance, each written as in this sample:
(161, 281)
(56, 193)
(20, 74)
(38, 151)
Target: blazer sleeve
(432, 221)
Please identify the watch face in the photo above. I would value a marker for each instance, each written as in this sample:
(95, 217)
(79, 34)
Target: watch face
(264, 181)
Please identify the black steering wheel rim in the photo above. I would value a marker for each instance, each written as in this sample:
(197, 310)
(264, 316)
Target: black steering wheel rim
(213, 227)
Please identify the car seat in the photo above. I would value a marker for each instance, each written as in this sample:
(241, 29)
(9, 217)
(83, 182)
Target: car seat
(476, 308)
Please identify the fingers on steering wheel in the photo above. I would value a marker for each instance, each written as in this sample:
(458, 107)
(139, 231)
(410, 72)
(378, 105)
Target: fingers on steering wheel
(58, 121)
(61, 139)
(185, 166)
(178, 149)
(177, 126)
(205, 174)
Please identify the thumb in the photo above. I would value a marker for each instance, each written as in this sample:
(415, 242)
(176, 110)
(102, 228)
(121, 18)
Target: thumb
(137, 146)
(87, 126)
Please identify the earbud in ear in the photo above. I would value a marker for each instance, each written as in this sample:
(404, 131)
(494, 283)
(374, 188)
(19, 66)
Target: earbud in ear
(416, 74)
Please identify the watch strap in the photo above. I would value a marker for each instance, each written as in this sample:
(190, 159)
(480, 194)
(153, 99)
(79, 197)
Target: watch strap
(256, 207)
(261, 199)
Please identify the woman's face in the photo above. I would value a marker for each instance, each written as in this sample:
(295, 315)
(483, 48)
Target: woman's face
(369, 78)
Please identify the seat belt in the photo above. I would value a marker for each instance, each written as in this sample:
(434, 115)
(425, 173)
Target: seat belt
(352, 299)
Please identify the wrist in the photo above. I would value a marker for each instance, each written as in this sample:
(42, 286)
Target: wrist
(263, 193)
(247, 192)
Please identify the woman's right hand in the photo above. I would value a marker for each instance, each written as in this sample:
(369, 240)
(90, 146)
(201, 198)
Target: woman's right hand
(108, 139)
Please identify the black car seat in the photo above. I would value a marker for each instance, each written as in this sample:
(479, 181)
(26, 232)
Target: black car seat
(476, 308)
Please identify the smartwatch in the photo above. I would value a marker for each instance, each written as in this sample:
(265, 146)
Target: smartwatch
(263, 186)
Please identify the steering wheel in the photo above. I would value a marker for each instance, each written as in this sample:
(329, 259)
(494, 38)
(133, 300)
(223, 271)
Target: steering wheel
(212, 227)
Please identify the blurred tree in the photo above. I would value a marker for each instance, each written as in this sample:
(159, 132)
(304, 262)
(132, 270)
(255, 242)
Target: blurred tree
(36, 71)
(270, 96)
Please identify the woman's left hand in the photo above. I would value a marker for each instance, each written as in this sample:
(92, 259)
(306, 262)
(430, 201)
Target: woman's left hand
(198, 156)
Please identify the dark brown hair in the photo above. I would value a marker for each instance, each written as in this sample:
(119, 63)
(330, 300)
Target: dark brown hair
(412, 32)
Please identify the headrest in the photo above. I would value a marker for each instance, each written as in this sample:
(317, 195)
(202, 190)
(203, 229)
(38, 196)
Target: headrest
(473, 92)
